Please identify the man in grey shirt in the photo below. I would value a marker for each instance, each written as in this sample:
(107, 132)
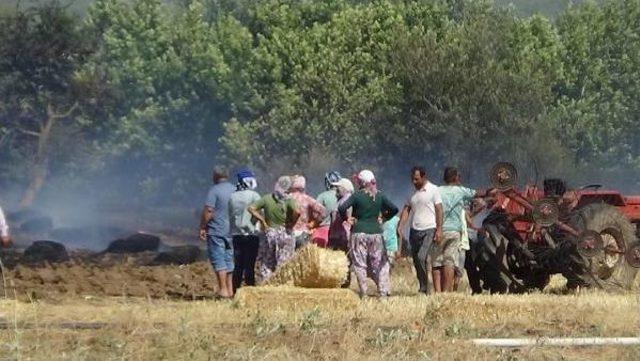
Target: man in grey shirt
(243, 229)
(214, 229)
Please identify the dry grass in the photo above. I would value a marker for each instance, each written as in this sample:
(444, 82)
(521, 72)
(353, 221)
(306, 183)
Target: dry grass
(406, 326)
(273, 297)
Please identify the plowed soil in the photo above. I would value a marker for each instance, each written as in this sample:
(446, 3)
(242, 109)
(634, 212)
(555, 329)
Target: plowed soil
(87, 275)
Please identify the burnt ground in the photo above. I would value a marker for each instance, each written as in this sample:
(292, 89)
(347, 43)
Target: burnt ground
(86, 274)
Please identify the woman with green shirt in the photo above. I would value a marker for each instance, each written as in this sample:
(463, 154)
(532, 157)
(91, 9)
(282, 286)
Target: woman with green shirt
(277, 214)
(367, 249)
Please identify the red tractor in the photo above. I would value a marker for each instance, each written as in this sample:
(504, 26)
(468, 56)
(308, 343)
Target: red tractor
(587, 235)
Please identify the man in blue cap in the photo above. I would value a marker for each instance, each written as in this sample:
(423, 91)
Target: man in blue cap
(243, 229)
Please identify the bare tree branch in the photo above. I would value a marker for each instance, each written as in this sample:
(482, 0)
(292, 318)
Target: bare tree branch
(52, 114)
(28, 132)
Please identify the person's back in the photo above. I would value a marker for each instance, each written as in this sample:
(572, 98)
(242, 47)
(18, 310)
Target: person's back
(367, 210)
(240, 218)
(310, 210)
(453, 200)
(214, 230)
(446, 255)
(366, 247)
(218, 199)
(329, 200)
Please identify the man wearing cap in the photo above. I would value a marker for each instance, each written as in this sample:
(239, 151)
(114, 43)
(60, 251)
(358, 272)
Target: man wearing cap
(425, 208)
(243, 229)
(214, 229)
(367, 250)
(277, 214)
(329, 200)
(311, 211)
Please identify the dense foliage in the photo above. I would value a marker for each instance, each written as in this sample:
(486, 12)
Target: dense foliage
(155, 92)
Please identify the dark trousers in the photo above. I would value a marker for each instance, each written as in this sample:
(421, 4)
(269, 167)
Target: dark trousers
(245, 252)
(420, 243)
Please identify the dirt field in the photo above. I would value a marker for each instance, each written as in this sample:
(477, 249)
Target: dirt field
(109, 275)
(117, 308)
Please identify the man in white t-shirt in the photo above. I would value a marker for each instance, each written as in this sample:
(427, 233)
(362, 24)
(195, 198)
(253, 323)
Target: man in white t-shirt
(425, 207)
(5, 237)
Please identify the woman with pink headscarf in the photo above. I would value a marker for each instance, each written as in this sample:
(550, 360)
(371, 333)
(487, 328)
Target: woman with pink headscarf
(311, 212)
(367, 248)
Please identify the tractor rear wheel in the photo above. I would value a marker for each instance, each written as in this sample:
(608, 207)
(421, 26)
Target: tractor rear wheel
(609, 268)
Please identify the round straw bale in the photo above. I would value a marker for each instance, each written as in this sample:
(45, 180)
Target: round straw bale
(313, 267)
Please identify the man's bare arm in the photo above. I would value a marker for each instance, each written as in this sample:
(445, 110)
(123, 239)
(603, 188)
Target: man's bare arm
(470, 221)
(439, 222)
(404, 217)
(205, 217)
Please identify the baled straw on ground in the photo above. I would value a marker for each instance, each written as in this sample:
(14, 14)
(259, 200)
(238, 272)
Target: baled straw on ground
(313, 267)
(273, 297)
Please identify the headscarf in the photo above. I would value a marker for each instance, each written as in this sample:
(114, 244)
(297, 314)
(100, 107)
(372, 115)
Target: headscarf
(330, 178)
(345, 186)
(299, 183)
(246, 180)
(368, 181)
(281, 188)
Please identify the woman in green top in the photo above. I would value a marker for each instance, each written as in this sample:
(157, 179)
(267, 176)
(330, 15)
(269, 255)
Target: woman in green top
(367, 249)
(280, 215)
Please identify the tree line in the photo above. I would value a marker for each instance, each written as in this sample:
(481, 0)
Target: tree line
(153, 92)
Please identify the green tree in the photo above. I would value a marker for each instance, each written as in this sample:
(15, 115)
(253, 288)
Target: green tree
(321, 82)
(599, 99)
(40, 50)
(167, 85)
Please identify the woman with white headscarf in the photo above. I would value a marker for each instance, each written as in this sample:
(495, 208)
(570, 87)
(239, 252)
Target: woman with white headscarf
(367, 249)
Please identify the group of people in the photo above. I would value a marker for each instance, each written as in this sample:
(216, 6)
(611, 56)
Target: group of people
(242, 228)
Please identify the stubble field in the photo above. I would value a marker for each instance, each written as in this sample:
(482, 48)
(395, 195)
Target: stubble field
(56, 325)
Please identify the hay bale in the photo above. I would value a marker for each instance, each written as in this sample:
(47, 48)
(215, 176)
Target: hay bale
(313, 267)
(272, 297)
(136, 243)
(45, 251)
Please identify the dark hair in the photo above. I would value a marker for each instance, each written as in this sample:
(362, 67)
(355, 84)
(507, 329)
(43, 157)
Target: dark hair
(419, 169)
(220, 172)
(450, 174)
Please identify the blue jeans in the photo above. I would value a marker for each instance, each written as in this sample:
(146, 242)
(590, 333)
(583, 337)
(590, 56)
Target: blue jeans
(220, 252)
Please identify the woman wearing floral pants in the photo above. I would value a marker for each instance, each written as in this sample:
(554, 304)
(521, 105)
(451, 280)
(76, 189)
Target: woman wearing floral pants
(366, 247)
(277, 213)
